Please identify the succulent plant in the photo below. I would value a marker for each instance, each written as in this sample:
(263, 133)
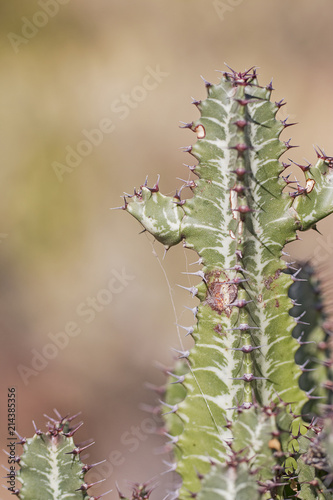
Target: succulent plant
(245, 412)
(50, 465)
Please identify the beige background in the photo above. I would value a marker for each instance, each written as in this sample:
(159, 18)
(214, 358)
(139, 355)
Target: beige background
(60, 242)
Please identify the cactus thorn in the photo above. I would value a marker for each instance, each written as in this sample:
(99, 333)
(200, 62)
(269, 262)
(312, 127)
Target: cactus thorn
(243, 406)
(172, 439)
(194, 310)
(236, 281)
(77, 450)
(180, 378)
(196, 102)
(60, 419)
(16, 492)
(309, 394)
(85, 486)
(88, 467)
(300, 190)
(102, 495)
(123, 207)
(172, 466)
(236, 267)
(188, 329)
(304, 168)
(183, 354)
(246, 349)
(288, 145)
(241, 123)
(320, 153)
(298, 319)
(285, 124)
(270, 86)
(177, 194)
(186, 125)
(186, 149)
(156, 388)
(191, 167)
(193, 290)
(249, 178)
(294, 276)
(172, 495)
(72, 431)
(243, 327)
(241, 78)
(22, 440)
(38, 432)
(239, 189)
(243, 102)
(155, 188)
(180, 203)
(153, 410)
(279, 104)
(197, 273)
(6, 468)
(304, 369)
(240, 303)
(207, 84)
(248, 377)
(121, 496)
(287, 181)
(68, 418)
(197, 262)
(187, 183)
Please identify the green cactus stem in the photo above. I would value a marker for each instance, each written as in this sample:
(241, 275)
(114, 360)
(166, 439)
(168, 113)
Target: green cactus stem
(243, 211)
(50, 465)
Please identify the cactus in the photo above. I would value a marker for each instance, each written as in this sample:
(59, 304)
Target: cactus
(50, 466)
(248, 410)
(242, 413)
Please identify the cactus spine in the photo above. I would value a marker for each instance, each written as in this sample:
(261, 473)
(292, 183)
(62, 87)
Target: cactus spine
(241, 378)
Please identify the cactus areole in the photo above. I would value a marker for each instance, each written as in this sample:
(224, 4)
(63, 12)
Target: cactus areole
(240, 385)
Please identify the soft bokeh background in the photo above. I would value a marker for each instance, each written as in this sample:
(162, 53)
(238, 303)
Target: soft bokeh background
(60, 243)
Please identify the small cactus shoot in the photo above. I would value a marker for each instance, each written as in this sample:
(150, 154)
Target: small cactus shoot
(245, 416)
(50, 465)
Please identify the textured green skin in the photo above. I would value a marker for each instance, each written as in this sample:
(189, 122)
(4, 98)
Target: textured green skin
(239, 215)
(226, 483)
(316, 348)
(48, 471)
(250, 465)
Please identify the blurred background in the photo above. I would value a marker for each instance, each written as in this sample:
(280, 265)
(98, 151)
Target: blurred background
(91, 96)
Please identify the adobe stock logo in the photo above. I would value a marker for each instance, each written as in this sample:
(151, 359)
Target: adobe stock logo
(85, 313)
(121, 108)
(31, 27)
